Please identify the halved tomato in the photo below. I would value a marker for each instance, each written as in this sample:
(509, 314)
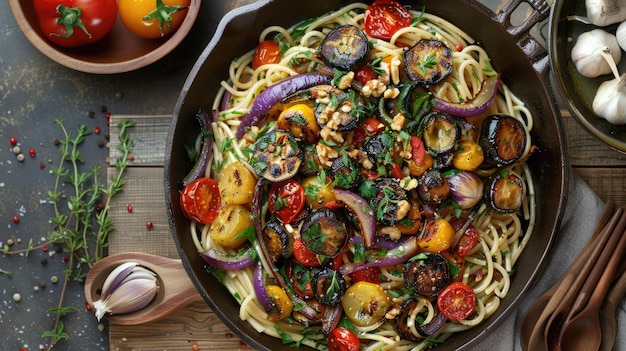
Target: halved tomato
(200, 200)
(457, 301)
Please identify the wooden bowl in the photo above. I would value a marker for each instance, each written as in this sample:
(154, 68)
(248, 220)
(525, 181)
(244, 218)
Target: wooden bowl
(120, 51)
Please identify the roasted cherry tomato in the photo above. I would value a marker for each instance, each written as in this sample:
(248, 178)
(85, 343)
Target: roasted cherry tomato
(418, 151)
(152, 18)
(305, 256)
(201, 200)
(70, 23)
(369, 127)
(342, 339)
(468, 240)
(457, 301)
(286, 200)
(364, 74)
(385, 17)
(370, 274)
(267, 52)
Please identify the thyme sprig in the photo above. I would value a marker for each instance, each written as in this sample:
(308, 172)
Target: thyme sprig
(82, 226)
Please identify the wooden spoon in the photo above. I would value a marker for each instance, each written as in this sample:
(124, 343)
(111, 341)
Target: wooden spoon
(559, 316)
(608, 322)
(536, 318)
(582, 332)
(175, 288)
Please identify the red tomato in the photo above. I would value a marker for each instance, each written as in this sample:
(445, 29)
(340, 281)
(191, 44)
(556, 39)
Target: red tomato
(385, 17)
(70, 23)
(395, 170)
(305, 256)
(369, 126)
(457, 301)
(267, 52)
(342, 339)
(468, 240)
(370, 274)
(201, 200)
(365, 74)
(286, 200)
(418, 151)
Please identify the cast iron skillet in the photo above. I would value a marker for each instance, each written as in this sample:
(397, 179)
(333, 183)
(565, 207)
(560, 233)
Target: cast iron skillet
(524, 67)
(578, 91)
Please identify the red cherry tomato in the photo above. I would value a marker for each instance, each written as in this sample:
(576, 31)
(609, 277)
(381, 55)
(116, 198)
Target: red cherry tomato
(468, 240)
(286, 200)
(395, 170)
(369, 127)
(305, 256)
(342, 339)
(385, 17)
(365, 74)
(457, 301)
(201, 200)
(267, 52)
(370, 274)
(70, 23)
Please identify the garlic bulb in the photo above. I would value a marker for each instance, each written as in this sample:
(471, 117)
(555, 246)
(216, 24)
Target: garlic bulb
(587, 52)
(620, 35)
(610, 100)
(603, 12)
(128, 288)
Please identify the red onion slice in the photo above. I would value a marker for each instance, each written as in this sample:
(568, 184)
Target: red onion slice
(476, 106)
(361, 209)
(259, 287)
(206, 152)
(222, 260)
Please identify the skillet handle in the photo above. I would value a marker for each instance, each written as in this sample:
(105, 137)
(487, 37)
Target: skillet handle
(540, 10)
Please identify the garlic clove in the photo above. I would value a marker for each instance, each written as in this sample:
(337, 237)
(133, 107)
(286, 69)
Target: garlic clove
(130, 287)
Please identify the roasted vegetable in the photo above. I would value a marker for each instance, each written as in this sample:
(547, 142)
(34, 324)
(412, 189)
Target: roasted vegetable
(277, 156)
(345, 47)
(428, 273)
(329, 286)
(428, 62)
(504, 192)
(277, 240)
(503, 139)
(441, 131)
(324, 232)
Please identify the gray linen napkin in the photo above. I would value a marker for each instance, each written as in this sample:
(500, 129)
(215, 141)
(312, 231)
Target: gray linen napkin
(582, 211)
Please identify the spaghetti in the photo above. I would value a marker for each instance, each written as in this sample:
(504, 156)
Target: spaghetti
(486, 266)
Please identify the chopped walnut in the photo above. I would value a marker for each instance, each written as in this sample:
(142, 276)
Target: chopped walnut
(361, 158)
(374, 87)
(394, 70)
(326, 154)
(328, 134)
(403, 209)
(398, 122)
(408, 183)
(393, 312)
(392, 232)
(346, 81)
(391, 93)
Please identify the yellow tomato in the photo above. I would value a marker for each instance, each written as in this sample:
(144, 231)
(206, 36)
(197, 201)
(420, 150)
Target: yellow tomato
(230, 221)
(468, 155)
(300, 121)
(152, 18)
(282, 303)
(236, 183)
(438, 235)
(318, 193)
(365, 303)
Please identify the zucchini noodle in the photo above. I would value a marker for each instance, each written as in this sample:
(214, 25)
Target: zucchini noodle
(502, 237)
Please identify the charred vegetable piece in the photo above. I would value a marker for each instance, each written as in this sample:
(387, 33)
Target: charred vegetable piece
(299, 120)
(324, 232)
(277, 240)
(365, 303)
(329, 286)
(437, 236)
(428, 62)
(310, 161)
(381, 147)
(345, 47)
(346, 172)
(390, 204)
(503, 139)
(428, 273)
(433, 187)
(504, 192)
(424, 330)
(441, 132)
(301, 278)
(277, 156)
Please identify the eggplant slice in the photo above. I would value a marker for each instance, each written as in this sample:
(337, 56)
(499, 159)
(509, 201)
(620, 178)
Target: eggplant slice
(428, 62)
(345, 47)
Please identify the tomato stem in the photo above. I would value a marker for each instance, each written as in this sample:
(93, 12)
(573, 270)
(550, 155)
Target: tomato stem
(163, 13)
(70, 18)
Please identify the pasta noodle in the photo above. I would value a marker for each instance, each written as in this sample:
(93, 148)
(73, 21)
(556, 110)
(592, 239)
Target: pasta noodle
(502, 237)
